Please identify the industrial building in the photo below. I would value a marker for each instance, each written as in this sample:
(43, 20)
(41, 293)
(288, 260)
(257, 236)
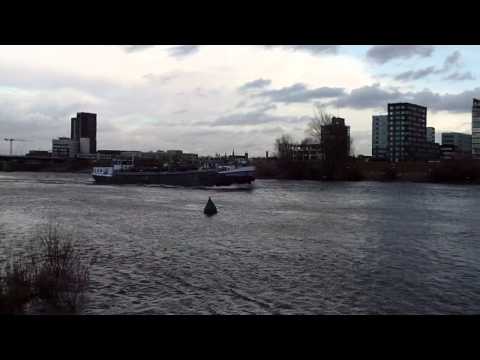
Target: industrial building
(335, 142)
(302, 152)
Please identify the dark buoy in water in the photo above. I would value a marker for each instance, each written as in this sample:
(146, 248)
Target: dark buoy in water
(210, 208)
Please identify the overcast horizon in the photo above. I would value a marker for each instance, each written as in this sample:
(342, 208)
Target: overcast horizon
(211, 98)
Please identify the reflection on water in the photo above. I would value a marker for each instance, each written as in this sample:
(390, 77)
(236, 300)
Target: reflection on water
(279, 247)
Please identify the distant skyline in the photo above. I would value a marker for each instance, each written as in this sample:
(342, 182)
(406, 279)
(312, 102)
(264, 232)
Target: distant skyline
(210, 99)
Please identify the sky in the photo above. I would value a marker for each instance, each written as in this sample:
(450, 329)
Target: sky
(211, 99)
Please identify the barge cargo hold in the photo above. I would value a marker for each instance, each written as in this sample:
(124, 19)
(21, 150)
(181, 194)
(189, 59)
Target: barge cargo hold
(222, 176)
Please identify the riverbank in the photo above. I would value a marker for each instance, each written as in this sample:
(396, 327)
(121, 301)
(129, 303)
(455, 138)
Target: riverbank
(20, 163)
(448, 171)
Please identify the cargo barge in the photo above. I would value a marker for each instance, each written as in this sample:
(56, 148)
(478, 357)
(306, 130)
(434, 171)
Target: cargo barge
(225, 175)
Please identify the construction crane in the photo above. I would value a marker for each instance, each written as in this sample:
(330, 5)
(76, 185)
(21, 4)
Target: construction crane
(11, 143)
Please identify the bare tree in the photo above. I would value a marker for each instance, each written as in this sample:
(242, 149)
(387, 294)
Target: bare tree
(336, 142)
(281, 145)
(351, 147)
(320, 118)
(308, 141)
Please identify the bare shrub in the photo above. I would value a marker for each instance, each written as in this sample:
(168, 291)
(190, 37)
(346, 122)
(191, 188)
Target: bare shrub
(63, 274)
(16, 286)
(282, 146)
(52, 271)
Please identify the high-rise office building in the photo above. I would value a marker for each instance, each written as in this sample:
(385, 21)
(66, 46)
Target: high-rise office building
(431, 134)
(407, 132)
(84, 126)
(379, 137)
(476, 129)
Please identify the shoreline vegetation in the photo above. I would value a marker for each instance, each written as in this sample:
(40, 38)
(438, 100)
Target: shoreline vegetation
(445, 171)
(63, 165)
(51, 275)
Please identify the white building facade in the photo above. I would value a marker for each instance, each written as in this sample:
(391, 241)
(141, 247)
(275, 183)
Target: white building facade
(64, 147)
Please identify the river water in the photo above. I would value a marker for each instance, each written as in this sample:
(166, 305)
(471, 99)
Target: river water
(282, 247)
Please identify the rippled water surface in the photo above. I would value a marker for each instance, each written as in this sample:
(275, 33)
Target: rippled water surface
(282, 247)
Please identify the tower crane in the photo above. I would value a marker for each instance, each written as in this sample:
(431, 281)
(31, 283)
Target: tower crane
(11, 143)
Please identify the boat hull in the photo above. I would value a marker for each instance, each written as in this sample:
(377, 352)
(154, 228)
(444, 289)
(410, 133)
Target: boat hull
(196, 178)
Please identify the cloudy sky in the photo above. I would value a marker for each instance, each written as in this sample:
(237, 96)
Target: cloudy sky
(209, 99)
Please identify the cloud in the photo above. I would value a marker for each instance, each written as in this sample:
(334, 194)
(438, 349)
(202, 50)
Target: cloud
(135, 48)
(313, 49)
(241, 104)
(252, 140)
(204, 92)
(37, 98)
(366, 97)
(370, 97)
(161, 79)
(39, 116)
(457, 103)
(181, 51)
(299, 93)
(361, 141)
(256, 118)
(255, 84)
(456, 76)
(25, 78)
(181, 111)
(252, 118)
(415, 74)
(384, 53)
(177, 51)
(262, 108)
(453, 60)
